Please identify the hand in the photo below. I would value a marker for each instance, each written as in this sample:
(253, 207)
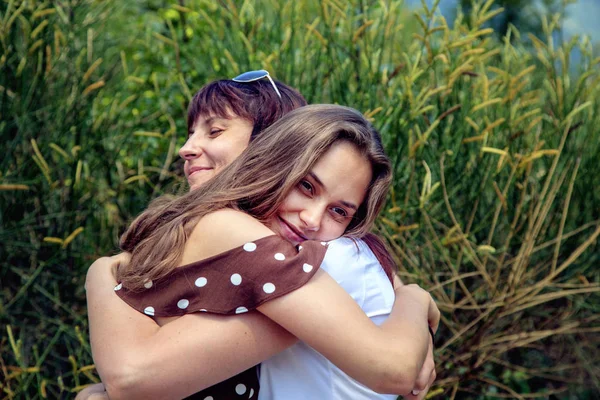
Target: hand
(433, 317)
(433, 313)
(118, 260)
(93, 392)
(105, 269)
(397, 282)
(425, 378)
(111, 263)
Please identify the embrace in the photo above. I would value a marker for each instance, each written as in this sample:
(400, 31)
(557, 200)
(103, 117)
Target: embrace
(263, 281)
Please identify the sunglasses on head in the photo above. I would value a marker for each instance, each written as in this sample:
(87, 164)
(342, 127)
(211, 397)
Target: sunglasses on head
(252, 76)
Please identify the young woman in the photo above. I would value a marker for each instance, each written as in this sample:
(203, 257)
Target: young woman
(246, 323)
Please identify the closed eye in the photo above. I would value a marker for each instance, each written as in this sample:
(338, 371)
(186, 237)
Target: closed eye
(215, 131)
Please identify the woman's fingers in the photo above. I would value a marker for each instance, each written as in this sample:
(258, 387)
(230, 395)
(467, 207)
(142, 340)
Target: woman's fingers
(397, 282)
(428, 368)
(427, 374)
(118, 260)
(425, 378)
(417, 394)
(122, 258)
(93, 392)
(432, 377)
(434, 315)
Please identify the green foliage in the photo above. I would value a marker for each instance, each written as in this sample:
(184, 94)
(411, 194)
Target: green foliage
(521, 14)
(494, 145)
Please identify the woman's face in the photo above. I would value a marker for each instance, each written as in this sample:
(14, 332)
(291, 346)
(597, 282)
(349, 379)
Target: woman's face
(323, 203)
(212, 145)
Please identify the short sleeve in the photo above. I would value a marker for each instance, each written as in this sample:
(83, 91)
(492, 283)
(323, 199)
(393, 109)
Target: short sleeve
(232, 282)
(352, 264)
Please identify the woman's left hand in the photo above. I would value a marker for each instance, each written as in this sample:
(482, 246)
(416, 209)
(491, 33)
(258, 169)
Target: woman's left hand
(426, 377)
(119, 260)
(110, 263)
(93, 392)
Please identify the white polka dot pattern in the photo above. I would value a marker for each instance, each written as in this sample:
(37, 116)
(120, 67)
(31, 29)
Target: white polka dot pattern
(201, 282)
(149, 311)
(250, 247)
(183, 303)
(240, 389)
(251, 274)
(269, 288)
(236, 279)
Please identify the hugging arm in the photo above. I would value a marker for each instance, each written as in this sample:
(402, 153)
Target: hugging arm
(196, 351)
(138, 359)
(385, 358)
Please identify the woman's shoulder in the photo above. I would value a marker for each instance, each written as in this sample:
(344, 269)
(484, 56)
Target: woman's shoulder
(220, 231)
(227, 220)
(243, 272)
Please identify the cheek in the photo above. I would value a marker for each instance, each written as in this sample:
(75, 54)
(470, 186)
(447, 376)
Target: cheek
(286, 206)
(331, 230)
(293, 202)
(222, 155)
(227, 154)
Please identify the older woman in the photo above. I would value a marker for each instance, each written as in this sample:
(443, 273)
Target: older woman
(252, 338)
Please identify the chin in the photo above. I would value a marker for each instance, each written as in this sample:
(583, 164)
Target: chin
(195, 185)
(195, 182)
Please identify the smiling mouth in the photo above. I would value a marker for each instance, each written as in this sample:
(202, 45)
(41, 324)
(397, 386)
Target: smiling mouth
(195, 170)
(291, 232)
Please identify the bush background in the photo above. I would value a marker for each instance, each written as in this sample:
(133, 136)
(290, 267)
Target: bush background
(494, 139)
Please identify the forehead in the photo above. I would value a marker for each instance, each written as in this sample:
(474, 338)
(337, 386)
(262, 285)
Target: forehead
(344, 172)
(228, 118)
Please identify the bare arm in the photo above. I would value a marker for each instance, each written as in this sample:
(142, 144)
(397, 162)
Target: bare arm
(386, 358)
(138, 359)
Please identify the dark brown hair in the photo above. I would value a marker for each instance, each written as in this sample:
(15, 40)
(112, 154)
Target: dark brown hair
(257, 182)
(381, 252)
(255, 101)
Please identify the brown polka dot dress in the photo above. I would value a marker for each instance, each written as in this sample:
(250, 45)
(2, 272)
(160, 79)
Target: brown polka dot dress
(232, 282)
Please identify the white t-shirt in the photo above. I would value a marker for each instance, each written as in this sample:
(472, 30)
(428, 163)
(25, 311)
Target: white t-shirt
(300, 372)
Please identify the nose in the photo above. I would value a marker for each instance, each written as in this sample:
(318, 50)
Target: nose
(191, 150)
(311, 217)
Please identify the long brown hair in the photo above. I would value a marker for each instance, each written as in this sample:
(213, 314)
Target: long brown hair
(257, 182)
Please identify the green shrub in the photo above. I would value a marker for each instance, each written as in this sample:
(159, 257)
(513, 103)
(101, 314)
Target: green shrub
(493, 207)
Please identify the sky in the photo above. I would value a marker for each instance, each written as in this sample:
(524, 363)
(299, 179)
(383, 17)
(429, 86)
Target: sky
(583, 17)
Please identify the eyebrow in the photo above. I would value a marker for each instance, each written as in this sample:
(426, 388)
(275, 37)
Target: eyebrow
(210, 120)
(320, 183)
